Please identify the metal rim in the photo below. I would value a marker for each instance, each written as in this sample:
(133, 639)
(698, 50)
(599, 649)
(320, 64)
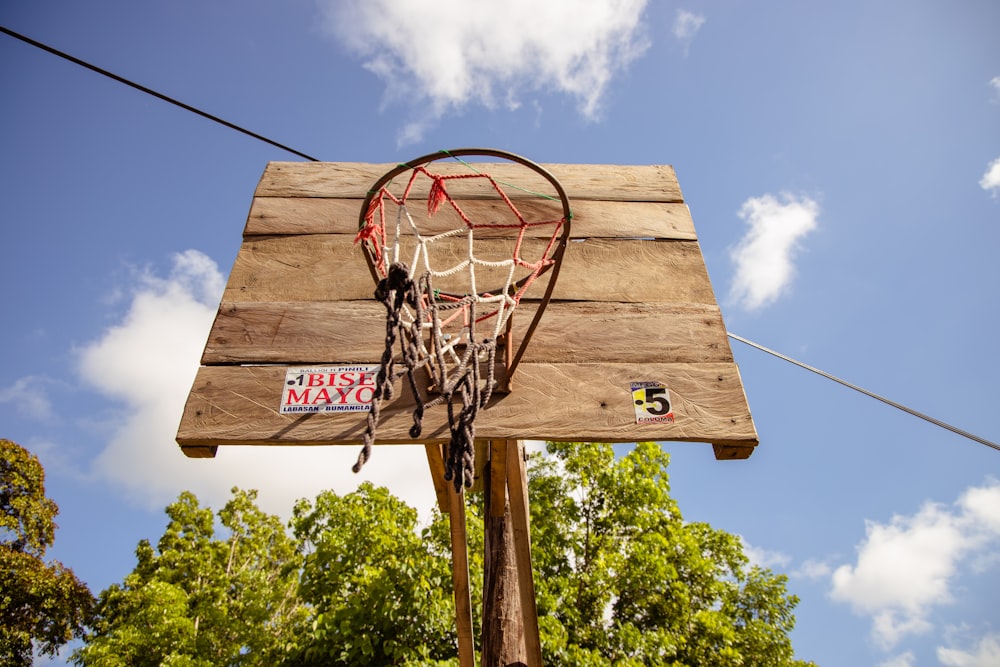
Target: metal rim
(461, 152)
(557, 256)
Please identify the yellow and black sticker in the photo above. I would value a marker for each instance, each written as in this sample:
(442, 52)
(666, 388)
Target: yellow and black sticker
(652, 403)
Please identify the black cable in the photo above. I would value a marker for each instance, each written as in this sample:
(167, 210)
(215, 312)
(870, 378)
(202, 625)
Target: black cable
(149, 91)
(898, 406)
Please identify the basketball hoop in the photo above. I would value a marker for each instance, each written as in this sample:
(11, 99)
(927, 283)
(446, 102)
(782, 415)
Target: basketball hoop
(453, 248)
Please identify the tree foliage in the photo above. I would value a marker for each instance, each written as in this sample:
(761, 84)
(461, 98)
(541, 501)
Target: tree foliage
(621, 580)
(380, 590)
(42, 605)
(202, 600)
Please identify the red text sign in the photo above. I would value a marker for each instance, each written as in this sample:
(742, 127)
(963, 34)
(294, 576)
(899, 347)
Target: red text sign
(328, 389)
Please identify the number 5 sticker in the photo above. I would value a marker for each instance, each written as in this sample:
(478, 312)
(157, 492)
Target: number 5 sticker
(652, 402)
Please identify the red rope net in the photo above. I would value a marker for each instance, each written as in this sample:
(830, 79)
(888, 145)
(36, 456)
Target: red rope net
(451, 273)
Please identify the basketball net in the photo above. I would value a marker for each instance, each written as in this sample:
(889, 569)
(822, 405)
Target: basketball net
(450, 271)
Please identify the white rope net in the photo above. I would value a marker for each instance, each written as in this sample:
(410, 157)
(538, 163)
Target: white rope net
(450, 283)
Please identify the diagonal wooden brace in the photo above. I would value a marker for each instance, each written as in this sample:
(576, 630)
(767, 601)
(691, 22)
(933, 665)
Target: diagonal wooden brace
(517, 486)
(459, 555)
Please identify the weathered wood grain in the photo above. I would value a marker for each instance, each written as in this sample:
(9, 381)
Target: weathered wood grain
(496, 450)
(239, 405)
(601, 219)
(505, 626)
(633, 302)
(583, 332)
(327, 267)
(520, 513)
(302, 215)
(351, 180)
(460, 578)
(435, 461)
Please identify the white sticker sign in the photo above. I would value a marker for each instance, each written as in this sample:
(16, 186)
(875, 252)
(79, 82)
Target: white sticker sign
(652, 403)
(329, 389)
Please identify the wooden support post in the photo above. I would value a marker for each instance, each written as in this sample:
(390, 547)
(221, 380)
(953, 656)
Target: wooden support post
(454, 507)
(503, 624)
(460, 576)
(435, 460)
(498, 477)
(510, 616)
(517, 485)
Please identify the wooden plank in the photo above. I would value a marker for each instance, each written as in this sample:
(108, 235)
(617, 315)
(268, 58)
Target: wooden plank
(498, 476)
(327, 267)
(502, 642)
(460, 577)
(582, 332)
(322, 332)
(204, 452)
(626, 308)
(601, 219)
(435, 461)
(517, 485)
(239, 405)
(302, 215)
(480, 464)
(353, 180)
(731, 452)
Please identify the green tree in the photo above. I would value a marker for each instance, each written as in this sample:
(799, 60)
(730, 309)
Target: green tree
(199, 599)
(379, 590)
(623, 580)
(42, 605)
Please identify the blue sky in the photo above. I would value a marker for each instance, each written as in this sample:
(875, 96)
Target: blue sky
(842, 164)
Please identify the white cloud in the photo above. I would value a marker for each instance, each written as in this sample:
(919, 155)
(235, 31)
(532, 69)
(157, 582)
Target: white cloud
(763, 257)
(686, 26)
(438, 57)
(902, 660)
(982, 505)
(991, 179)
(765, 557)
(995, 85)
(813, 569)
(29, 397)
(985, 653)
(146, 364)
(906, 568)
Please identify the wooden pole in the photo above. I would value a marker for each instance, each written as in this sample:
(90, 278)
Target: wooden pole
(452, 503)
(517, 485)
(510, 618)
(460, 576)
(503, 624)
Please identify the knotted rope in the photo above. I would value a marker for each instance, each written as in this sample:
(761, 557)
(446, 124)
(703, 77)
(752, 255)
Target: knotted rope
(437, 331)
(394, 291)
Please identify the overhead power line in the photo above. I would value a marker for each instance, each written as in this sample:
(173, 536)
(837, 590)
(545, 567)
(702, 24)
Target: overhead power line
(150, 91)
(216, 119)
(898, 406)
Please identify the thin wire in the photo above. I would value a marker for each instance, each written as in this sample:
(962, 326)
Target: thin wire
(898, 406)
(232, 126)
(149, 91)
(513, 186)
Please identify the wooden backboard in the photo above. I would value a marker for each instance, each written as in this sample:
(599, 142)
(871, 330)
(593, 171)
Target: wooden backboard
(633, 311)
